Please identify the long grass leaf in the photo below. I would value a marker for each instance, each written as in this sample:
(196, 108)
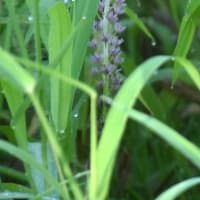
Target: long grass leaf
(178, 189)
(82, 10)
(115, 121)
(186, 33)
(60, 30)
(133, 16)
(14, 73)
(190, 69)
(25, 157)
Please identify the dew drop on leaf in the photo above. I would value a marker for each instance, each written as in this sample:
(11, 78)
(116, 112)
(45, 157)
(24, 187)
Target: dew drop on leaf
(30, 18)
(75, 115)
(153, 43)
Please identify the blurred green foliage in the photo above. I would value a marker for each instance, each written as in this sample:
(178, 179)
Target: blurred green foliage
(145, 165)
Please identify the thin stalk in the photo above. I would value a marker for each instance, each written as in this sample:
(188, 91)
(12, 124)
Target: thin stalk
(68, 80)
(13, 173)
(36, 18)
(93, 150)
(57, 151)
(18, 32)
(9, 30)
(65, 182)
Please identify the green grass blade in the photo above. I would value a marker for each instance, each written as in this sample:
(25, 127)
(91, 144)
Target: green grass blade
(34, 8)
(61, 95)
(15, 195)
(17, 81)
(12, 173)
(16, 26)
(178, 189)
(14, 73)
(152, 102)
(186, 33)
(133, 16)
(115, 121)
(190, 69)
(184, 146)
(176, 140)
(184, 42)
(50, 134)
(87, 10)
(174, 11)
(26, 158)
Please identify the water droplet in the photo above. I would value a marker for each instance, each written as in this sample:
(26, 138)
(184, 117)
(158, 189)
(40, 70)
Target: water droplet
(73, 0)
(30, 18)
(172, 58)
(75, 115)
(84, 18)
(61, 131)
(153, 43)
(66, 1)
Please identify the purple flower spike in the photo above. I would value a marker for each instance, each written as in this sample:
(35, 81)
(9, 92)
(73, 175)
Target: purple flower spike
(93, 44)
(95, 72)
(105, 44)
(112, 18)
(105, 38)
(118, 59)
(118, 9)
(96, 58)
(108, 69)
(119, 28)
(101, 6)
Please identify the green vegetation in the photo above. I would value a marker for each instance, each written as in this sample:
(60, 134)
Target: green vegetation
(122, 125)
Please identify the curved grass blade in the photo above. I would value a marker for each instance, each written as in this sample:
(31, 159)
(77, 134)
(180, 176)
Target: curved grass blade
(184, 146)
(14, 73)
(15, 195)
(184, 42)
(178, 189)
(172, 137)
(17, 81)
(116, 121)
(190, 69)
(133, 16)
(50, 134)
(12, 173)
(25, 157)
(186, 33)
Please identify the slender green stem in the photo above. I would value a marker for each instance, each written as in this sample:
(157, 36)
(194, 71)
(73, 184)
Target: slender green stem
(18, 32)
(65, 182)
(68, 80)
(36, 18)
(93, 146)
(7, 41)
(13, 173)
(57, 151)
